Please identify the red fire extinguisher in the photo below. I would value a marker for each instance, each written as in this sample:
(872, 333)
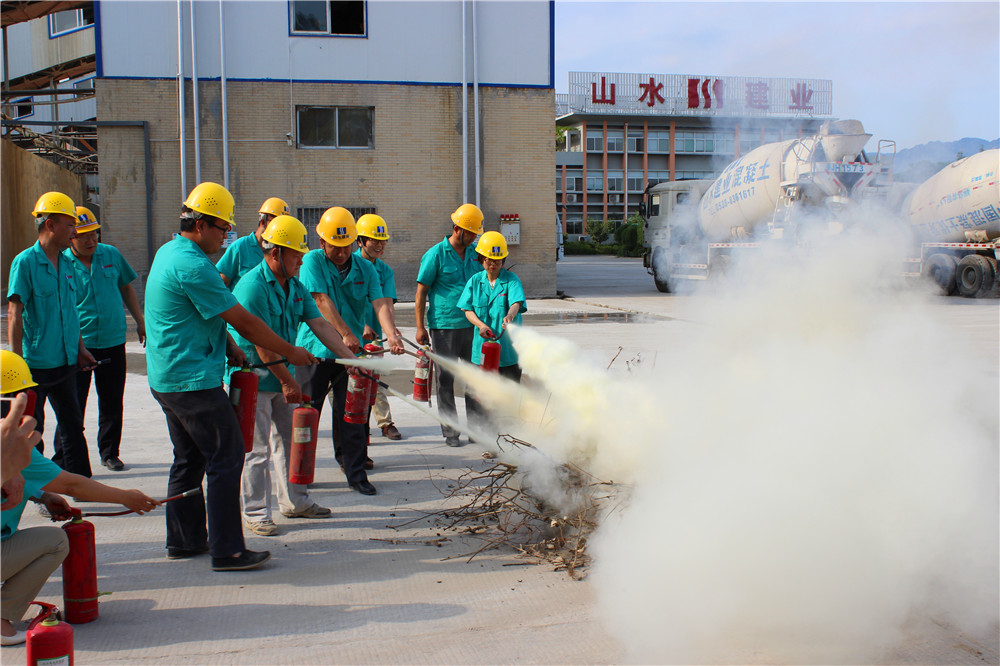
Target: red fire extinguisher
(80, 571)
(356, 404)
(243, 394)
(491, 356)
(302, 459)
(29, 409)
(49, 641)
(422, 377)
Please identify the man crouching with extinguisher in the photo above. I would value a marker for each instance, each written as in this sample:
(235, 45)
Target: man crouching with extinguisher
(29, 556)
(272, 292)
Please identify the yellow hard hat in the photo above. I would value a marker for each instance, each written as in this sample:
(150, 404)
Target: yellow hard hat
(212, 199)
(286, 231)
(86, 220)
(274, 206)
(54, 202)
(373, 226)
(337, 227)
(14, 373)
(492, 245)
(469, 217)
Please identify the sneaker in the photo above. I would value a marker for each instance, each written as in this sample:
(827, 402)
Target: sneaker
(391, 432)
(248, 559)
(453, 441)
(184, 553)
(264, 527)
(314, 511)
(114, 464)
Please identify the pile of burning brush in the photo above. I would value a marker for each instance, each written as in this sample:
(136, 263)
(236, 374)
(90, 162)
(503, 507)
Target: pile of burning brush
(500, 506)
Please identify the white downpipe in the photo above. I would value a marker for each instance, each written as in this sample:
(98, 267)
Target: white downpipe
(194, 100)
(465, 110)
(180, 97)
(225, 114)
(475, 93)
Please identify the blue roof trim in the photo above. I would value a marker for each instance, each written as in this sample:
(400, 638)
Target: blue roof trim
(98, 35)
(552, 43)
(543, 86)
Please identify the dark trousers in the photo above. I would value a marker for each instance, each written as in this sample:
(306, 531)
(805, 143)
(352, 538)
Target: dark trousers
(350, 440)
(511, 372)
(69, 442)
(453, 343)
(109, 378)
(207, 443)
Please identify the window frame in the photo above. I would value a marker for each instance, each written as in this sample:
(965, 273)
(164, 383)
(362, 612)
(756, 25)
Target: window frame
(292, 32)
(53, 34)
(299, 108)
(23, 101)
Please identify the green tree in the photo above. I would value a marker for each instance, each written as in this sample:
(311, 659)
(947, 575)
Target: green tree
(598, 230)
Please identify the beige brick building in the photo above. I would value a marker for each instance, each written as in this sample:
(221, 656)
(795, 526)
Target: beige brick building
(411, 170)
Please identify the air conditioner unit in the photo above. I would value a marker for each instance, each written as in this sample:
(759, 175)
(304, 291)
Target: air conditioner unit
(570, 198)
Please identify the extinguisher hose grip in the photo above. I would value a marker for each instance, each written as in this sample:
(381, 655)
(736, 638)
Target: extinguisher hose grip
(107, 514)
(265, 365)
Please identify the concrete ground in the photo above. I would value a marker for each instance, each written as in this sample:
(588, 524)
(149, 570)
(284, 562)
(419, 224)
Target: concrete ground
(380, 582)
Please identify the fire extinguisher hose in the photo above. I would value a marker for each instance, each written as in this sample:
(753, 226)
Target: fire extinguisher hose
(105, 514)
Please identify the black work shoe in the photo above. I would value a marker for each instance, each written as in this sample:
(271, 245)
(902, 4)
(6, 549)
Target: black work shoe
(364, 487)
(114, 464)
(184, 553)
(248, 559)
(453, 441)
(369, 463)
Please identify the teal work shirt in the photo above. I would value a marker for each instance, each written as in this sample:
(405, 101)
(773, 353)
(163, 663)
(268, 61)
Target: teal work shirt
(352, 295)
(491, 305)
(51, 337)
(262, 296)
(240, 258)
(185, 337)
(445, 274)
(387, 280)
(99, 296)
(39, 473)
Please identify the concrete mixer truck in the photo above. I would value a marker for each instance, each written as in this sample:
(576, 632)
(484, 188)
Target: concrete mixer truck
(697, 228)
(955, 219)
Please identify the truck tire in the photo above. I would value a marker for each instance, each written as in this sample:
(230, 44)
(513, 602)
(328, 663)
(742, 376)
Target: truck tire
(720, 267)
(941, 268)
(658, 259)
(975, 276)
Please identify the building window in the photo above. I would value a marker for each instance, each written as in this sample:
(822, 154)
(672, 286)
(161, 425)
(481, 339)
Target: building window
(574, 180)
(636, 144)
(595, 141)
(329, 18)
(595, 181)
(61, 23)
(574, 224)
(691, 141)
(22, 108)
(335, 127)
(616, 141)
(659, 141)
(616, 181)
(309, 216)
(635, 183)
(658, 177)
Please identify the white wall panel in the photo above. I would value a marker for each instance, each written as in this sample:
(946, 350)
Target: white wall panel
(408, 41)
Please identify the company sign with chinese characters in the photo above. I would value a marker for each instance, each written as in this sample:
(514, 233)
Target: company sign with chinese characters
(683, 94)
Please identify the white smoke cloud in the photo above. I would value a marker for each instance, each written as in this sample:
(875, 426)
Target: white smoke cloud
(813, 465)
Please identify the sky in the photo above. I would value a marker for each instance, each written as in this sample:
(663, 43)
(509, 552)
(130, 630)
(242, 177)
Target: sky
(912, 72)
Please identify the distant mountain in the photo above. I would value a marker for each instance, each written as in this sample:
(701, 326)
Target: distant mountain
(919, 163)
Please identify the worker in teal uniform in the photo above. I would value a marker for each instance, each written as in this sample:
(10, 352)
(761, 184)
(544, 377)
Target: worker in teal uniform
(104, 282)
(373, 235)
(246, 252)
(187, 309)
(493, 299)
(272, 292)
(344, 288)
(43, 327)
(444, 270)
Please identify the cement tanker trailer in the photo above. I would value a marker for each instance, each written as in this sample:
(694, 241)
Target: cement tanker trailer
(955, 217)
(695, 228)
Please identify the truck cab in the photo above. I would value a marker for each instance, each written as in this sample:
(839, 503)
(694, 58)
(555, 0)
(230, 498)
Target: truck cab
(670, 214)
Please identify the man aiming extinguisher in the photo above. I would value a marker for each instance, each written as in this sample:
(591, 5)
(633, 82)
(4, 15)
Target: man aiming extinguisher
(29, 556)
(272, 292)
(187, 309)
